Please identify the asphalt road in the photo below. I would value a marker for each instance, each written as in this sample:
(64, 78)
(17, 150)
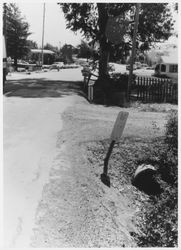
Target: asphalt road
(31, 125)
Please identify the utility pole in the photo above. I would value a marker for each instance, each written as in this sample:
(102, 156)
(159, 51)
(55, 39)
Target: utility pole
(5, 21)
(138, 5)
(4, 44)
(43, 34)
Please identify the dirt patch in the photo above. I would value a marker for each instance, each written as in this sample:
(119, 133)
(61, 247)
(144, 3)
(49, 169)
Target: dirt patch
(77, 209)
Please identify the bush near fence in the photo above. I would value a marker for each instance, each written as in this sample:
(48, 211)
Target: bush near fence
(145, 89)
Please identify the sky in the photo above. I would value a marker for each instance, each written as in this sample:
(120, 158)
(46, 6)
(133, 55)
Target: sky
(55, 26)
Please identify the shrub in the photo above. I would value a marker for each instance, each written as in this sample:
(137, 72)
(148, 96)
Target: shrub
(160, 218)
(171, 137)
(160, 227)
(168, 165)
(120, 81)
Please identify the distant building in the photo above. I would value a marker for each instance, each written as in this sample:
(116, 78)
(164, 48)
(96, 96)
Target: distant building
(37, 53)
(168, 66)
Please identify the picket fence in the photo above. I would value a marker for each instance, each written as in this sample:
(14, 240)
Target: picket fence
(151, 89)
(145, 89)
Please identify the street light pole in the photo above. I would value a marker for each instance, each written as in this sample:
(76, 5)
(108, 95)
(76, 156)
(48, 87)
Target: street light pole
(138, 5)
(43, 33)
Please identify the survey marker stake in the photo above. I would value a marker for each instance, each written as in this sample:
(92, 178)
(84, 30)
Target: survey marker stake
(115, 137)
(104, 177)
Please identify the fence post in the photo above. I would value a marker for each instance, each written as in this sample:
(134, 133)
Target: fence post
(149, 88)
(138, 81)
(90, 92)
(156, 90)
(165, 91)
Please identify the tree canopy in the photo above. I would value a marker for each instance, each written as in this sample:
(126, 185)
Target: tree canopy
(51, 47)
(86, 50)
(32, 44)
(66, 53)
(155, 20)
(155, 25)
(16, 30)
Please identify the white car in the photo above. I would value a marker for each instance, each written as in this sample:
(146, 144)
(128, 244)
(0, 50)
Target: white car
(57, 66)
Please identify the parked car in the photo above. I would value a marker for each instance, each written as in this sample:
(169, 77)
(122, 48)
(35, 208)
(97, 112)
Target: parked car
(57, 66)
(22, 62)
(71, 66)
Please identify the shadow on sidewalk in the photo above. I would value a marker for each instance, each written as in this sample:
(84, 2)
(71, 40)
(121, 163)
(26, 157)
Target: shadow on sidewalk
(37, 88)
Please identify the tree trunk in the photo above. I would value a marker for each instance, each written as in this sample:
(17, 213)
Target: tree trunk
(104, 48)
(15, 63)
(103, 62)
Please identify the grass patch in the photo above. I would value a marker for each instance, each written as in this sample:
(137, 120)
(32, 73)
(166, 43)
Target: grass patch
(154, 107)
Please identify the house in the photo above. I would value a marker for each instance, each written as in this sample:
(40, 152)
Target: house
(168, 66)
(36, 55)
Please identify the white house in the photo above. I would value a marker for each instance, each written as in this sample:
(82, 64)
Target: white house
(168, 66)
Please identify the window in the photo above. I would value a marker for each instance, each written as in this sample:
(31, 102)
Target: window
(173, 68)
(163, 68)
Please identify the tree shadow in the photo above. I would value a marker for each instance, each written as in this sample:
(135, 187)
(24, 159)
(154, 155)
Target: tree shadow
(37, 88)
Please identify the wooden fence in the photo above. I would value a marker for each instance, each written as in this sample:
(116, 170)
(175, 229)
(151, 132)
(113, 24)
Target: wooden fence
(150, 89)
(145, 89)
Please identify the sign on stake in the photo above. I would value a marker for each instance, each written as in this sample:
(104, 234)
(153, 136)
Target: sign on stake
(115, 137)
(119, 126)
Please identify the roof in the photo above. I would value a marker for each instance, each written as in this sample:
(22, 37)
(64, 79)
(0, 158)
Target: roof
(45, 51)
(172, 58)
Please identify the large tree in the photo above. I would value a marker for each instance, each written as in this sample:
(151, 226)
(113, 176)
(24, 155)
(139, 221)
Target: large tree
(32, 44)
(86, 50)
(66, 53)
(16, 30)
(51, 47)
(155, 24)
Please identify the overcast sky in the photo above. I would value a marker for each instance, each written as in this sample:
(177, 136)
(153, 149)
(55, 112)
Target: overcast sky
(55, 26)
